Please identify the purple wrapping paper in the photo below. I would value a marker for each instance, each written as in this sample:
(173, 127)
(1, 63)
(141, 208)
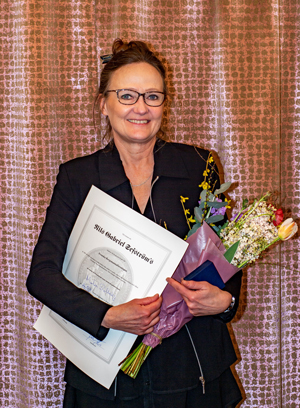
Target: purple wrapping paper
(204, 245)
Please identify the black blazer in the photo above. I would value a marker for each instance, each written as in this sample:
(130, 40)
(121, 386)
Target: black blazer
(172, 366)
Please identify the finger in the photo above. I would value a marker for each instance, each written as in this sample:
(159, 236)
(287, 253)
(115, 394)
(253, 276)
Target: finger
(148, 324)
(174, 283)
(150, 329)
(195, 285)
(153, 311)
(154, 321)
(148, 300)
(183, 291)
(154, 307)
(154, 315)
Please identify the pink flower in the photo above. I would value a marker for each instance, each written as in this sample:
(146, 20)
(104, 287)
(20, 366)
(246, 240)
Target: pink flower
(278, 217)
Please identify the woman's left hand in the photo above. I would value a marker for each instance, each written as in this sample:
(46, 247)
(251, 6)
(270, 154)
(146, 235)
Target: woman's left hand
(202, 298)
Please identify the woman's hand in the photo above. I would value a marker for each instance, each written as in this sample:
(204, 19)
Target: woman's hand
(137, 316)
(202, 298)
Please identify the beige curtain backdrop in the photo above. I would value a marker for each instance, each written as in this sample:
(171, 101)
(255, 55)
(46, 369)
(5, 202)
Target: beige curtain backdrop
(234, 82)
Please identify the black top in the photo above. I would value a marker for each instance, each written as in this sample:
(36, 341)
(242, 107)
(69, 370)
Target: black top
(178, 171)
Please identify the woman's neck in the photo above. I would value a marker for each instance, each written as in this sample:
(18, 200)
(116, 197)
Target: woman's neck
(138, 164)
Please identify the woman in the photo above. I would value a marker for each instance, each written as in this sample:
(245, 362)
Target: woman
(149, 175)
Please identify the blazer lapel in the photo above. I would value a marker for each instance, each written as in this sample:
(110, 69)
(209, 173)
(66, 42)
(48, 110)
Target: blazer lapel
(111, 171)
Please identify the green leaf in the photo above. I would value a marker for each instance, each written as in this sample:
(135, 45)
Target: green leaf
(245, 203)
(214, 218)
(229, 254)
(203, 195)
(198, 214)
(216, 204)
(223, 188)
(194, 229)
(224, 225)
(216, 228)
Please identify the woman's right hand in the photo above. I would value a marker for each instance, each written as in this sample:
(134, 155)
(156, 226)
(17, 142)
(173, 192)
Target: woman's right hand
(138, 316)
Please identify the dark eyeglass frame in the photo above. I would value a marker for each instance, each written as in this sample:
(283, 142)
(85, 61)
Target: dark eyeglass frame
(139, 94)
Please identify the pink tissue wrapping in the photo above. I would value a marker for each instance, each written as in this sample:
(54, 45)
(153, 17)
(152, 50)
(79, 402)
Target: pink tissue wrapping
(204, 245)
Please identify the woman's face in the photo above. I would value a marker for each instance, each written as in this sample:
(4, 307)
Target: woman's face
(138, 123)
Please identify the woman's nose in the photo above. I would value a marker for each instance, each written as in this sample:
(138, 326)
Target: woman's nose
(140, 106)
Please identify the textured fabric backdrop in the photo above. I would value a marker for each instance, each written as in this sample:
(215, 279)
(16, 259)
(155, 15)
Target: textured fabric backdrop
(234, 81)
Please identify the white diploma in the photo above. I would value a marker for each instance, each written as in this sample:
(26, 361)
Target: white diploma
(116, 255)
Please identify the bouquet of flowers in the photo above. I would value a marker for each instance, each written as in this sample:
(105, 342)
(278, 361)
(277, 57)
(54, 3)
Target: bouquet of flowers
(222, 249)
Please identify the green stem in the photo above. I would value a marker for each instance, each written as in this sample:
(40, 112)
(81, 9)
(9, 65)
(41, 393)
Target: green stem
(130, 359)
(243, 219)
(132, 364)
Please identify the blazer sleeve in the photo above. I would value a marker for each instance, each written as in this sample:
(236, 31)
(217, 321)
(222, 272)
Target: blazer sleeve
(46, 281)
(233, 286)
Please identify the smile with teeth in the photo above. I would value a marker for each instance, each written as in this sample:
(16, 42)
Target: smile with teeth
(138, 121)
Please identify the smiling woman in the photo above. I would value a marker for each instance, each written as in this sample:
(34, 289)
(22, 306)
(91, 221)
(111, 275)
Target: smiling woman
(122, 56)
(131, 96)
(149, 175)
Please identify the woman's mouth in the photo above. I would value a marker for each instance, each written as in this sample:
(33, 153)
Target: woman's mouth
(139, 122)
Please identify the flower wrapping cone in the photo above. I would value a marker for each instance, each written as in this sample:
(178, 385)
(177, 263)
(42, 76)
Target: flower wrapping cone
(204, 245)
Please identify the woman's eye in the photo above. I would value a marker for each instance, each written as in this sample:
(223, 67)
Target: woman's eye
(126, 96)
(152, 96)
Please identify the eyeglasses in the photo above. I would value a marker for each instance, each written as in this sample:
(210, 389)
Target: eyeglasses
(129, 97)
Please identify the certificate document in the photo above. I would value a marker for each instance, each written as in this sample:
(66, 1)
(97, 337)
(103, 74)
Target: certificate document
(117, 255)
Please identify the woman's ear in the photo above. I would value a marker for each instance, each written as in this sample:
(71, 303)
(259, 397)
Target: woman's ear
(103, 106)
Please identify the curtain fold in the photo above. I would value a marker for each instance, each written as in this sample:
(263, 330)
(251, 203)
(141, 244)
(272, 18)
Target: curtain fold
(234, 87)
(290, 192)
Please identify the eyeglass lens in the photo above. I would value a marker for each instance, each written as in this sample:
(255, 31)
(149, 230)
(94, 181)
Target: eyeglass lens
(129, 97)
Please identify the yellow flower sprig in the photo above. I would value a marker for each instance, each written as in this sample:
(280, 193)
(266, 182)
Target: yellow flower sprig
(186, 211)
(205, 184)
(208, 200)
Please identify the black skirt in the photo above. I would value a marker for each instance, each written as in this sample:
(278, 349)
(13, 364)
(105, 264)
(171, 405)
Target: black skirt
(222, 392)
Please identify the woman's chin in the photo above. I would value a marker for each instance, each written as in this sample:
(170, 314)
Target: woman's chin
(138, 138)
